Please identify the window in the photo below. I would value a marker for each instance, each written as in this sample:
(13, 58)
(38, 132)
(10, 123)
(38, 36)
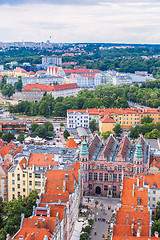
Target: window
(30, 183)
(18, 194)
(115, 168)
(106, 168)
(114, 188)
(13, 182)
(37, 183)
(85, 177)
(23, 175)
(124, 169)
(90, 176)
(13, 189)
(100, 176)
(95, 176)
(114, 177)
(30, 190)
(90, 186)
(97, 167)
(12, 174)
(37, 175)
(154, 199)
(120, 178)
(24, 196)
(23, 183)
(119, 167)
(13, 196)
(24, 189)
(154, 192)
(106, 177)
(101, 166)
(105, 187)
(18, 185)
(30, 174)
(18, 177)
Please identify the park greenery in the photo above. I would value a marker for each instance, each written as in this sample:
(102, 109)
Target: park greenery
(7, 136)
(107, 96)
(10, 213)
(147, 128)
(44, 131)
(156, 224)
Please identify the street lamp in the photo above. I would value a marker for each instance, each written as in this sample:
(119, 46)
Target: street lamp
(49, 110)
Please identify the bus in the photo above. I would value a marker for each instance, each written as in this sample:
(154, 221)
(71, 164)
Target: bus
(59, 119)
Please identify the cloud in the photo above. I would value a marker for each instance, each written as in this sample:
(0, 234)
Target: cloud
(81, 21)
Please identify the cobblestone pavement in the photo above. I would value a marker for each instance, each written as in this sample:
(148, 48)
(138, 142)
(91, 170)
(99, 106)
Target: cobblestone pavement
(101, 227)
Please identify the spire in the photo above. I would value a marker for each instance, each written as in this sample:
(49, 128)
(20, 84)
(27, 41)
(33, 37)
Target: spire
(84, 148)
(138, 153)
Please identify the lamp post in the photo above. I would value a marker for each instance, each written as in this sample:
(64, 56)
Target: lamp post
(49, 110)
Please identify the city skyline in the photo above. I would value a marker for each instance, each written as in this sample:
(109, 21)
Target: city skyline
(80, 21)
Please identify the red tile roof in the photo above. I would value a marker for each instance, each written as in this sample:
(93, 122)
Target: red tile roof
(71, 143)
(47, 88)
(107, 120)
(41, 159)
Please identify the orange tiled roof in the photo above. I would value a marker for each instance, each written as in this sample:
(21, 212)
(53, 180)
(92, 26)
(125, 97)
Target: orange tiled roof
(27, 231)
(71, 143)
(107, 120)
(39, 159)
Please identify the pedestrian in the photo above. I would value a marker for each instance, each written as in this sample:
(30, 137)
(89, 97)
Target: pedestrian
(103, 236)
(95, 233)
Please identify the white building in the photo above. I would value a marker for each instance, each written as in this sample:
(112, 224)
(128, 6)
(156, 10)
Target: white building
(51, 61)
(48, 80)
(77, 118)
(55, 71)
(122, 79)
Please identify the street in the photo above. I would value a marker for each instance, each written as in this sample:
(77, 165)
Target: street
(101, 227)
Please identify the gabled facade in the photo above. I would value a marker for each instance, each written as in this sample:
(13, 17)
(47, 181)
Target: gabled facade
(106, 163)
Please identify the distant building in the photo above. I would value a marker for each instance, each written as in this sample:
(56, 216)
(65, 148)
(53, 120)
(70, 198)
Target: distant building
(55, 71)
(34, 92)
(51, 61)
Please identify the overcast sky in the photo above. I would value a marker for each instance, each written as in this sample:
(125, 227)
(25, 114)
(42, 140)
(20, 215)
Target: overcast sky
(128, 21)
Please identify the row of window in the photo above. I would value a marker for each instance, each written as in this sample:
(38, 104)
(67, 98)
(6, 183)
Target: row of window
(104, 177)
(37, 175)
(105, 167)
(105, 187)
(37, 183)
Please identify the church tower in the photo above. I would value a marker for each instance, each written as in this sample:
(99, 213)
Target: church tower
(138, 165)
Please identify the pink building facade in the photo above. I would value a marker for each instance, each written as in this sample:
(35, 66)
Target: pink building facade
(105, 164)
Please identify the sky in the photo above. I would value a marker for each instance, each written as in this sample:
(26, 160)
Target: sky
(124, 21)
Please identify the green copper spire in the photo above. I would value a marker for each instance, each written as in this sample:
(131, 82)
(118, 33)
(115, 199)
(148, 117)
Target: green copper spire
(138, 153)
(84, 148)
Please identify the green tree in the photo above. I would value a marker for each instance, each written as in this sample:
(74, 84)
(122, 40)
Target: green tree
(93, 125)
(3, 82)
(34, 126)
(117, 129)
(96, 203)
(84, 236)
(21, 137)
(88, 229)
(8, 136)
(61, 124)
(156, 227)
(2, 212)
(8, 90)
(3, 234)
(134, 132)
(154, 134)
(18, 85)
(29, 202)
(147, 119)
(105, 135)
(66, 134)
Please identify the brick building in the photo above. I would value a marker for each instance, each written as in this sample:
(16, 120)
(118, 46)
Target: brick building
(105, 163)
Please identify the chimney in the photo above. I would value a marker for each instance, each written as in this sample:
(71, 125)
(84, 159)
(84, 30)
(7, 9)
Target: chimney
(64, 185)
(32, 236)
(132, 229)
(44, 223)
(37, 224)
(156, 235)
(139, 232)
(45, 237)
(137, 182)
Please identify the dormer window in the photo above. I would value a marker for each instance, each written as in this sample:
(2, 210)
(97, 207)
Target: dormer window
(138, 201)
(57, 188)
(66, 176)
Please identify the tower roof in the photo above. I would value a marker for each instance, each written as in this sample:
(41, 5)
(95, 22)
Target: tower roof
(138, 153)
(84, 148)
(71, 143)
